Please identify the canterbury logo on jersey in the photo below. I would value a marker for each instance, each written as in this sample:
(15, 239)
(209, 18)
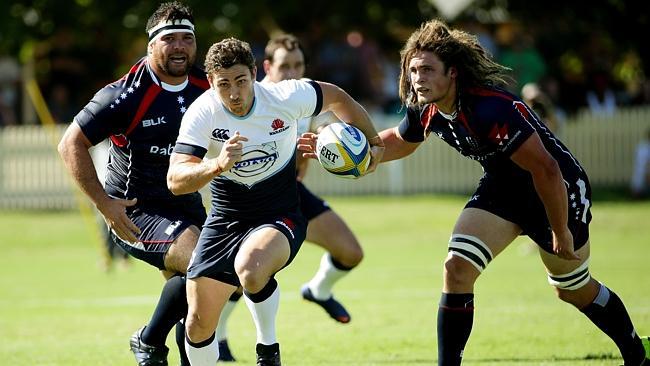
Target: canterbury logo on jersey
(220, 134)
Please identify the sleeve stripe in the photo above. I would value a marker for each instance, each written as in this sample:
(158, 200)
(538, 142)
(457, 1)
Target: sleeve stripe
(319, 98)
(189, 149)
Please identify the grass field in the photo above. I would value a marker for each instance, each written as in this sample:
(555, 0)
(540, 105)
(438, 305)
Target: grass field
(58, 308)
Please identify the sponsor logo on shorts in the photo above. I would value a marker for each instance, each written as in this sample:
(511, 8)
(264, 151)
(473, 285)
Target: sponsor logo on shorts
(172, 227)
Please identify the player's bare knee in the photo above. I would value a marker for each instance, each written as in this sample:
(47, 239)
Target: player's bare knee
(458, 272)
(352, 257)
(195, 329)
(250, 277)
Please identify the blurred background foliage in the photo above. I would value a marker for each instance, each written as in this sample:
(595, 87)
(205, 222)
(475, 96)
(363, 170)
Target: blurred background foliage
(84, 44)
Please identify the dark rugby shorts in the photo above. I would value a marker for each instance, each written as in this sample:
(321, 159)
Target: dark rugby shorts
(310, 204)
(159, 228)
(221, 238)
(518, 202)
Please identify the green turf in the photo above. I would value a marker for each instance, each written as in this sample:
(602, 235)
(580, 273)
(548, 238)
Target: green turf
(58, 308)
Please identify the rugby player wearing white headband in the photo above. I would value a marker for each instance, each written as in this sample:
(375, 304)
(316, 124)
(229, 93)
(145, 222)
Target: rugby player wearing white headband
(141, 115)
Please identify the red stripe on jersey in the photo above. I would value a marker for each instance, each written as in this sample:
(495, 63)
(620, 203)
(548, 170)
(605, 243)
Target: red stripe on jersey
(148, 98)
(200, 82)
(429, 111)
(135, 67)
(119, 140)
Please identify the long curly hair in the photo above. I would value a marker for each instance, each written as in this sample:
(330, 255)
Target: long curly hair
(456, 48)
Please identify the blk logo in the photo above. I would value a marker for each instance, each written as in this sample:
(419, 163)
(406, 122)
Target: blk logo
(153, 122)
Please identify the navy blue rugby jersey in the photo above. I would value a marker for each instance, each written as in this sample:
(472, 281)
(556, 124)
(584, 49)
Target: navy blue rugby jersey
(489, 126)
(141, 116)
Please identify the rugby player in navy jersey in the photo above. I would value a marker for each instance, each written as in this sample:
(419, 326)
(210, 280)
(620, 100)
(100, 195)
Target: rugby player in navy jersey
(247, 130)
(532, 185)
(284, 60)
(141, 114)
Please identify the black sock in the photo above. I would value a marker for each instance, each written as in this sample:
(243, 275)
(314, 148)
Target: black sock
(609, 314)
(455, 318)
(171, 308)
(180, 342)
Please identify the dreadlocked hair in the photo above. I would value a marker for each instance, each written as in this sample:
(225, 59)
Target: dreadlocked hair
(456, 48)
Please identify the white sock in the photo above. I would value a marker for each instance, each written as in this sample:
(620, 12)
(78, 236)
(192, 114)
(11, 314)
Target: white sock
(325, 278)
(222, 327)
(264, 314)
(205, 354)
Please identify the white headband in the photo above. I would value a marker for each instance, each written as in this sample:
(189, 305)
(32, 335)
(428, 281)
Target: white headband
(164, 28)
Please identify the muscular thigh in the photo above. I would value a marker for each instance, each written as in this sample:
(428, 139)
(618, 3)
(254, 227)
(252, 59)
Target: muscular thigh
(179, 253)
(558, 266)
(330, 232)
(494, 231)
(265, 250)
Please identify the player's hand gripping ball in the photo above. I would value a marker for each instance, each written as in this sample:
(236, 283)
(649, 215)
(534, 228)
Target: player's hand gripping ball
(343, 150)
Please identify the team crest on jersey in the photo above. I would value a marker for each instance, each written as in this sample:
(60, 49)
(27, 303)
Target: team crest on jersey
(256, 159)
(220, 134)
(278, 126)
(499, 134)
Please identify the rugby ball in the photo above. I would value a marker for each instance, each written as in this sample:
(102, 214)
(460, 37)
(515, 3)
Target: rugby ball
(343, 150)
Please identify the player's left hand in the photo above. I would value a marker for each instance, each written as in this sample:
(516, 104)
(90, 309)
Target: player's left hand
(307, 144)
(563, 245)
(376, 154)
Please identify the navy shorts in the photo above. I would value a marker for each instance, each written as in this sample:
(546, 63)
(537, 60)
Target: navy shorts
(160, 226)
(518, 202)
(310, 204)
(221, 238)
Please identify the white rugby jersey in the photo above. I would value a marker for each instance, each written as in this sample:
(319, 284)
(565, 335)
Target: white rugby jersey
(263, 182)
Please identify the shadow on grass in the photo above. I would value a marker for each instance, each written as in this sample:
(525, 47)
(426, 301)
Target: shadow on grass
(506, 360)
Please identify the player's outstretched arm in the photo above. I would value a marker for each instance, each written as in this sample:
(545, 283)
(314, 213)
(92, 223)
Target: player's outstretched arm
(396, 146)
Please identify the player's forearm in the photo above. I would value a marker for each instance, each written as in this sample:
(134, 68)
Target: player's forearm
(396, 147)
(80, 165)
(189, 177)
(550, 187)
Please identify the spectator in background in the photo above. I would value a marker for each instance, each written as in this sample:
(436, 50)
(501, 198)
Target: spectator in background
(640, 184)
(542, 105)
(61, 107)
(518, 52)
(600, 96)
(9, 78)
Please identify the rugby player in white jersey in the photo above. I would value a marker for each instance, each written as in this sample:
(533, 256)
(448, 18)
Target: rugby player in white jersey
(248, 132)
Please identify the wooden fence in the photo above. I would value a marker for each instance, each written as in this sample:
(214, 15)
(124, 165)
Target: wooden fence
(32, 175)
